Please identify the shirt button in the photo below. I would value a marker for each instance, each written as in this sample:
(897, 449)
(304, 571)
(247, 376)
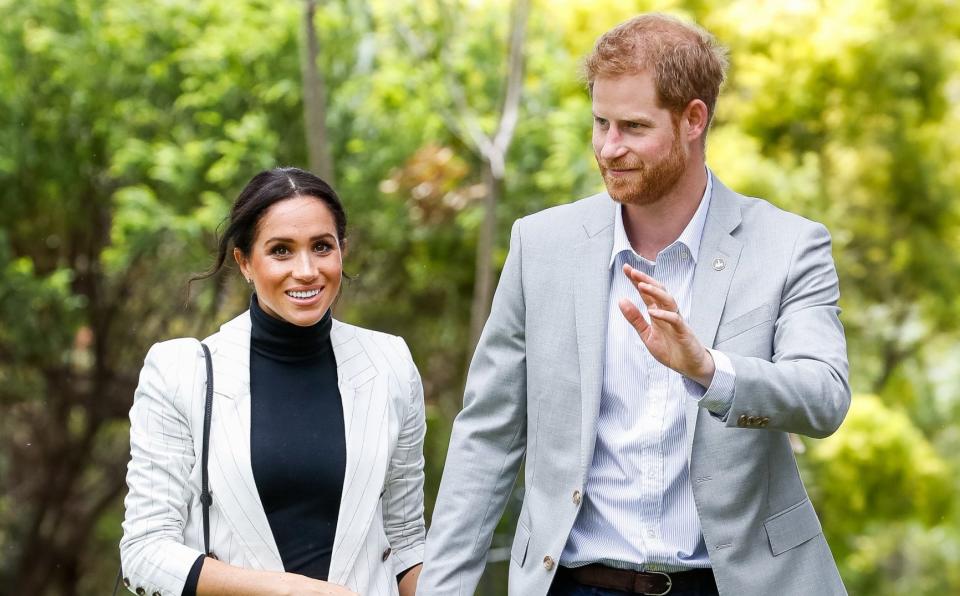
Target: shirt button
(548, 563)
(651, 533)
(652, 474)
(576, 497)
(683, 254)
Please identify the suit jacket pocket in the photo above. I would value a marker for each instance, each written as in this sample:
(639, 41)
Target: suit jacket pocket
(520, 541)
(792, 527)
(743, 323)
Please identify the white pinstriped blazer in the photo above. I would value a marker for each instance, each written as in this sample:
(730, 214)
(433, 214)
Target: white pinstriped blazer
(380, 528)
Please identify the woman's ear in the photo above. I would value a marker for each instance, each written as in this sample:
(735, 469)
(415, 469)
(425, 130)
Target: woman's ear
(243, 263)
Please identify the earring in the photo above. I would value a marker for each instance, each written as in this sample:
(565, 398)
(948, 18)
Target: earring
(249, 281)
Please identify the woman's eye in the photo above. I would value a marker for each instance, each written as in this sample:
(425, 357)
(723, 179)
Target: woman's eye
(322, 247)
(280, 251)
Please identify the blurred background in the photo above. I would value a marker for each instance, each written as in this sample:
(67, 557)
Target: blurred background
(128, 127)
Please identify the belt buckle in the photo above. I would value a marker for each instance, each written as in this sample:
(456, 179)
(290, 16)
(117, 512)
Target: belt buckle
(669, 584)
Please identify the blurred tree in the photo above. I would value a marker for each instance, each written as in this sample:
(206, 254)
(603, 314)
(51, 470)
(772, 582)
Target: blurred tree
(123, 126)
(315, 98)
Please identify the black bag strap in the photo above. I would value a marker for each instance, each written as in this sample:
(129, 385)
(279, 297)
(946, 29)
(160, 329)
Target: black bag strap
(206, 499)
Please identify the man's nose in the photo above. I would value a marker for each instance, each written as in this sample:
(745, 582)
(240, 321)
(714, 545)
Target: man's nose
(612, 146)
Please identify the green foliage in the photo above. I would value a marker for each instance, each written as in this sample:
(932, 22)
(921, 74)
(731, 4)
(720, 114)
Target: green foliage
(877, 468)
(31, 301)
(126, 129)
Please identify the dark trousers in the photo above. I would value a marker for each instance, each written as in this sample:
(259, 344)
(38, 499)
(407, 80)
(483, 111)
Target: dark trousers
(565, 587)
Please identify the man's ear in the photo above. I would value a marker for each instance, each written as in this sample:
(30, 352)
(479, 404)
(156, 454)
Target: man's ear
(695, 119)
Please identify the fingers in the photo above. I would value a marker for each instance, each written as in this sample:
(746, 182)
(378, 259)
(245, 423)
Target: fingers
(637, 276)
(633, 315)
(652, 292)
(667, 316)
(657, 298)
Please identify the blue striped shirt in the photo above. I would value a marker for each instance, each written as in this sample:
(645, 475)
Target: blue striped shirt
(638, 510)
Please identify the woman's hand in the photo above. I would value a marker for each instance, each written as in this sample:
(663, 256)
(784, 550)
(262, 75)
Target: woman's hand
(291, 584)
(221, 579)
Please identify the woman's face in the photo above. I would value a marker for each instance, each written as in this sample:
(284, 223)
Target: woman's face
(295, 260)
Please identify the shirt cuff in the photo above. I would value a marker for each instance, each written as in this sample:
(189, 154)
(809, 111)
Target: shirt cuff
(718, 397)
(190, 587)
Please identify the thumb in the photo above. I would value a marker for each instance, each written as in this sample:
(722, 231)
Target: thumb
(633, 315)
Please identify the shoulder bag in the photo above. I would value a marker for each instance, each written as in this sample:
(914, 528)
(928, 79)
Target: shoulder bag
(206, 498)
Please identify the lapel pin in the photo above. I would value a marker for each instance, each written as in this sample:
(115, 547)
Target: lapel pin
(719, 264)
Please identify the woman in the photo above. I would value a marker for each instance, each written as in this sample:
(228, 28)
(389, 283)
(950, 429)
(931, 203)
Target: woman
(316, 434)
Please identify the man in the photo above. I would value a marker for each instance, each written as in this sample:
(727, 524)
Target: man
(648, 351)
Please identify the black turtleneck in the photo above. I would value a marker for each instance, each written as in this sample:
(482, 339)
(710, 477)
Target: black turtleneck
(297, 440)
(297, 443)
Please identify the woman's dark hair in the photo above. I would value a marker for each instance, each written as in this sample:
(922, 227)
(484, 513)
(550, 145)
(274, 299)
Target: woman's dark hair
(262, 192)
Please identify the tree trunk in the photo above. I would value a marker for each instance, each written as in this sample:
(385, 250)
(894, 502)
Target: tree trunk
(314, 99)
(483, 275)
(494, 154)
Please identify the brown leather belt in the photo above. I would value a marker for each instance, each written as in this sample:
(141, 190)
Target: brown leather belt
(650, 583)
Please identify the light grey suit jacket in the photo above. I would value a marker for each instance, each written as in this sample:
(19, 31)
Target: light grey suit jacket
(380, 524)
(765, 293)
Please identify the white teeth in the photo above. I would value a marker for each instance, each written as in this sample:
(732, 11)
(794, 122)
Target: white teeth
(309, 294)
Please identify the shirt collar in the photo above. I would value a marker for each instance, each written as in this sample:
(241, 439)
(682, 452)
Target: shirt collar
(690, 237)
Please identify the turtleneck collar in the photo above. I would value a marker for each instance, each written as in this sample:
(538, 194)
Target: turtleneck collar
(279, 340)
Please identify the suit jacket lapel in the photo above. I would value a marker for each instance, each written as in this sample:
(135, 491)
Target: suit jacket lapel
(591, 290)
(716, 264)
(366, 414)
(234, 489)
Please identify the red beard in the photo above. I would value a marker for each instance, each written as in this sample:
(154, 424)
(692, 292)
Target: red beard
(648, 182)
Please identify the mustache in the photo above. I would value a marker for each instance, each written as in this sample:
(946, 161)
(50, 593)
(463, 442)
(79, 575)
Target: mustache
(622, 164)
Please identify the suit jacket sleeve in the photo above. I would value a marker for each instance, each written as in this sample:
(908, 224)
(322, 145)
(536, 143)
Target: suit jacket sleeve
(487, 444)
(403, 495)
(152, 552)
(804, 389)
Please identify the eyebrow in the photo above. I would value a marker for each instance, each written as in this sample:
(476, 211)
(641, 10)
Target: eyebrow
(291, 240)
(638, 119)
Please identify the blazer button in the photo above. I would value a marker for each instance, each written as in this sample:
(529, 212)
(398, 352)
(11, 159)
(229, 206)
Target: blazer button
(742, 420)
(386, 554)
(548, 563)
(157, 594)
(126, 581)
(576, 497)
(141, 591)
(752, 420)
(764, 421)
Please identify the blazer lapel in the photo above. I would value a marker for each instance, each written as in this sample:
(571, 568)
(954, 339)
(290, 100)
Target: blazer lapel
(234, 490)
(591, 280)
(716, 264)
(366, 418)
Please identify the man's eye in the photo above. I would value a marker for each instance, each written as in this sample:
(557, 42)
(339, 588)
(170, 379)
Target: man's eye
(600, 121)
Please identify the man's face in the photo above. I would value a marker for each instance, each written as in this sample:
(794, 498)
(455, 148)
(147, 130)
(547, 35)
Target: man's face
(636, 142)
